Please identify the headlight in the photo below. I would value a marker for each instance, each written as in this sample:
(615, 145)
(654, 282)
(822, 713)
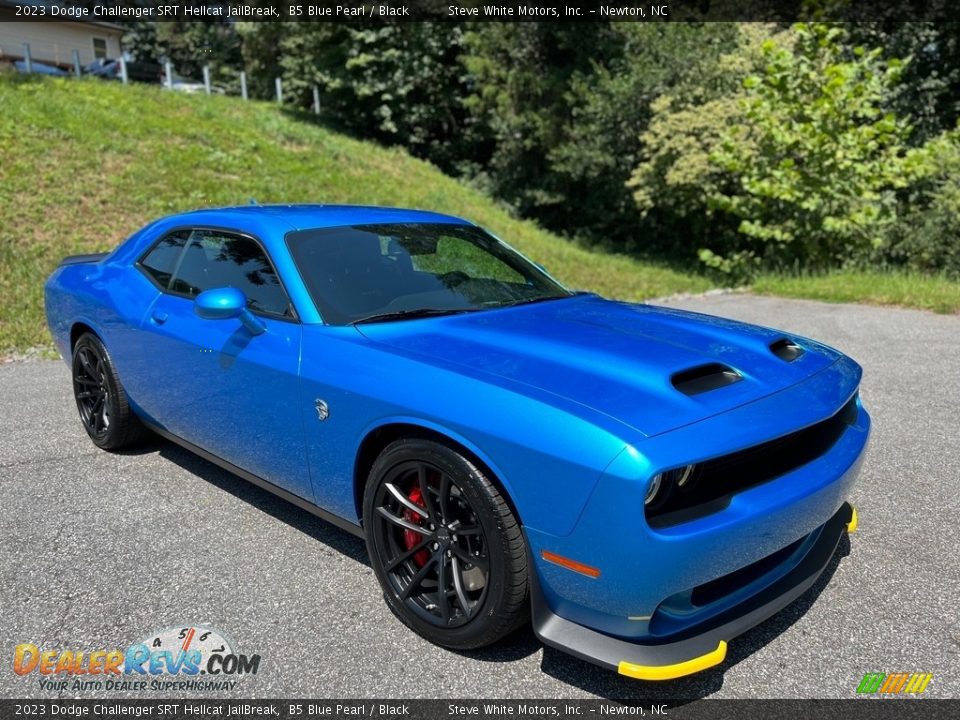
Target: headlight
(663, 483)
(653, 489)
(683, 475)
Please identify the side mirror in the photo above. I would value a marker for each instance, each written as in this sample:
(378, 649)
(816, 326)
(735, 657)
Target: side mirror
(224, 304)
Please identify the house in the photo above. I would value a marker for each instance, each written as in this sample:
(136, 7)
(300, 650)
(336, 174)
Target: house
(53, 41)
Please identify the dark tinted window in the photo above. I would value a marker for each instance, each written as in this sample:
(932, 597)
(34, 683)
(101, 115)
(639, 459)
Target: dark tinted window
(359, 272)
(162, 260)
(214, 260)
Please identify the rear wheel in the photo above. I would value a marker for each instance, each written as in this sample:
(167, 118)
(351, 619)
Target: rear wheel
(447, 550)
(101, 400)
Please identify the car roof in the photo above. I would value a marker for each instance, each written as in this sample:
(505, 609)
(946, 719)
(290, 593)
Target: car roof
(270, 224)
(284, 218)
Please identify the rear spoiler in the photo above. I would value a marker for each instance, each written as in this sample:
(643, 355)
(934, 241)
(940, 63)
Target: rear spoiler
(79, 259)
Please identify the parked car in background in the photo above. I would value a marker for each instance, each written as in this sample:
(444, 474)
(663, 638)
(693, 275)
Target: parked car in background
(40, 68)
(182, 84)
(103, 67)
(110, 69)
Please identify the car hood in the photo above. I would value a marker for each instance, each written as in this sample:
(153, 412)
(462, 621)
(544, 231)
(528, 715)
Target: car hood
(624, 360)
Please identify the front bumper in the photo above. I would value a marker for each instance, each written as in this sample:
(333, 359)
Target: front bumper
(704, 645)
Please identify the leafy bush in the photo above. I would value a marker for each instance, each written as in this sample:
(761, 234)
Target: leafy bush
(676, 177)
(927, 236)
(521, 78)
(643, 137)
(396, 83)
(818, 159)
(612, 106)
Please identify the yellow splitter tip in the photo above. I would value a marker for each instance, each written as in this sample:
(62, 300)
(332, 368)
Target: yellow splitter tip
(854, 520)
(669, 672)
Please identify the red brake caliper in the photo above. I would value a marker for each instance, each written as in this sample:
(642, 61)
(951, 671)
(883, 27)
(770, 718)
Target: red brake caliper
(411, 538)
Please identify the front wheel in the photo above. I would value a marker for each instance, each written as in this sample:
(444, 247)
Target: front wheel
(101, 400)
(447, 550)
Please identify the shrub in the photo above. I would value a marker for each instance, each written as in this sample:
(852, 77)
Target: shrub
(675, 178)
(927, 235)
(819, 161)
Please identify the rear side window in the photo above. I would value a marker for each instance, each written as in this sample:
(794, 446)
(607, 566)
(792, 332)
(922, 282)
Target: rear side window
(213, 259)
(162, 260)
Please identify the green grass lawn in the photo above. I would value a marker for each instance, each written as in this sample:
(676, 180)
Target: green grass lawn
(84, 163)
(899, 288)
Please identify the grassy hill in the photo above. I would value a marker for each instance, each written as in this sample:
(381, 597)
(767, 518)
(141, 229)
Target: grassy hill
(85, 163)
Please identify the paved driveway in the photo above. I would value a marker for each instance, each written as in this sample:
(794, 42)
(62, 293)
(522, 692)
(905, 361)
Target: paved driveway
(99, 550)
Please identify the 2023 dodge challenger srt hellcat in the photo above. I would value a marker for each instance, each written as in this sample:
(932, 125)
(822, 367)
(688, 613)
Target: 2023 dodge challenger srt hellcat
(647, 483)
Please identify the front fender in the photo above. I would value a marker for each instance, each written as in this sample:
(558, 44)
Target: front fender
(547, 459)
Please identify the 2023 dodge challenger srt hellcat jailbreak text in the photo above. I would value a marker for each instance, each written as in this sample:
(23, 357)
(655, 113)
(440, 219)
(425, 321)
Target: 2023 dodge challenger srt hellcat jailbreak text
(647, 483)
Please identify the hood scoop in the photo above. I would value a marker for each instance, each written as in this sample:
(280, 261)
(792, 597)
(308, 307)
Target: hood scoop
(786, 349)
(705, 378)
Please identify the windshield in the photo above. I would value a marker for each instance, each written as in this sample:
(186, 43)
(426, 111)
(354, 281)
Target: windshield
(361, 272)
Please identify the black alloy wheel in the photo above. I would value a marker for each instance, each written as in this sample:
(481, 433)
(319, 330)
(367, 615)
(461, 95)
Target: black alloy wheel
(444, 544)
(101, 400)
(91, 391)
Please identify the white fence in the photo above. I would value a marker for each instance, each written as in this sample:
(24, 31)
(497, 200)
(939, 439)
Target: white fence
(170, 82)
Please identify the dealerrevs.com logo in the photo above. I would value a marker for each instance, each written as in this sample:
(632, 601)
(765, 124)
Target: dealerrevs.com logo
(189, 657)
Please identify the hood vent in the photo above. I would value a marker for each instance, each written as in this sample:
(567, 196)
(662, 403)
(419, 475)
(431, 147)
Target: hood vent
(786, 349)
(704, 378)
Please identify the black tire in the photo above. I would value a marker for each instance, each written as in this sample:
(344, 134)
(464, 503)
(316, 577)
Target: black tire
(476, 550)
(101, 400)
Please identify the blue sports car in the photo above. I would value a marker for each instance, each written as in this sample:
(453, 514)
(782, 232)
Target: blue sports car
(645, 483)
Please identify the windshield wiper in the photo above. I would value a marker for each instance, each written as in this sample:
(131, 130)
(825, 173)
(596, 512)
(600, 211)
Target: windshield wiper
(409, 314)
(531, 301)
(415, 313)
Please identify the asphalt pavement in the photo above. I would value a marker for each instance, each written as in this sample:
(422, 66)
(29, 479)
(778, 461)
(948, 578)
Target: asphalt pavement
(99, 550)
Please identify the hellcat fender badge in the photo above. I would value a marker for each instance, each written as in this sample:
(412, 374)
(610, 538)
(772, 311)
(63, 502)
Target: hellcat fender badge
(323, 411)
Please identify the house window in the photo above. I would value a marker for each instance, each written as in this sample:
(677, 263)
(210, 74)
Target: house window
(99, 47)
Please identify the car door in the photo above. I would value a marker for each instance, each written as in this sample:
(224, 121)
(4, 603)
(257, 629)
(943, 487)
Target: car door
(213, 382)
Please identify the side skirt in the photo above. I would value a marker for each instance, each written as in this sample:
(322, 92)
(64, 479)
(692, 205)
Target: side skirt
(325, 515)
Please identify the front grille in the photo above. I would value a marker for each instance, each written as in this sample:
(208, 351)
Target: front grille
(721, 587)
(716, 481)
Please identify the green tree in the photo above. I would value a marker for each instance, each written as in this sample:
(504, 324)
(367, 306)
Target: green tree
(260, 47)
(140, 40)
(674, 179)
(818, 159)
(191, 44)
(926, 237)
(521, 76)
(612, 107)
(399, 83)
(929, 91)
